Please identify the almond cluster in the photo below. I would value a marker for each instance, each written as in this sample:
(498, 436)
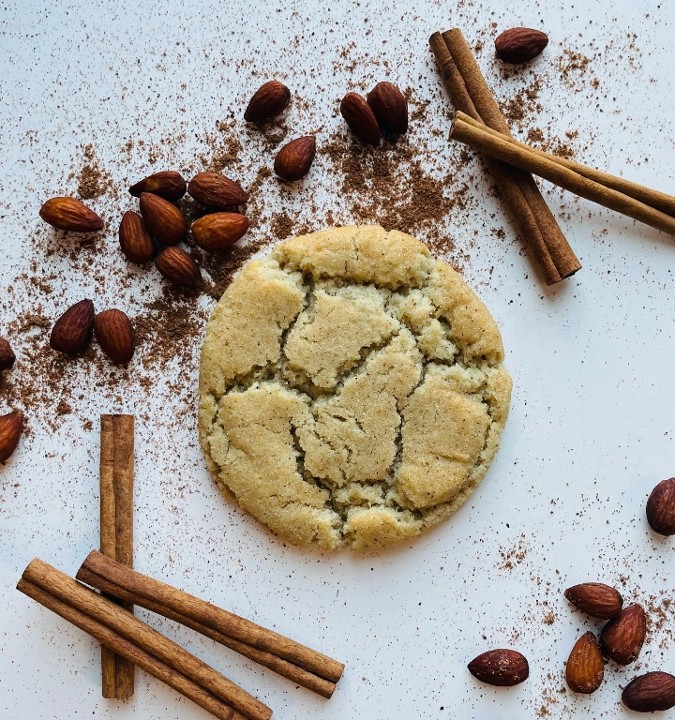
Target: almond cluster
(384, 112)
(621, 640)
(162, 224)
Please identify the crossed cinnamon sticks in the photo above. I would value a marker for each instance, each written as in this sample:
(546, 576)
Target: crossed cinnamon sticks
(535, 222)
(479, 124)
(136, 642)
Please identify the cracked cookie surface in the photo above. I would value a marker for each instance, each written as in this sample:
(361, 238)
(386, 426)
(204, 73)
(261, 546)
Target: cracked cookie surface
(351, 391)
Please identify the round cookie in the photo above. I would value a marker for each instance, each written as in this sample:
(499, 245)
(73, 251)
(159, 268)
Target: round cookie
(351, 389)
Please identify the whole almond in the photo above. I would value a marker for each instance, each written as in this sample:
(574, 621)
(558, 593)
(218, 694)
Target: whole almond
(661, 508)
(650, 692)
(585, 667)
(168, 184)
(135, 241)
(622, 638)
(360, 118)
(71, 332)
(7, 356)
(595, 599)
(520, 45)
(164, 221)
(67, 213)
(11, 426)
(295, 158)
(219, 230)
(390, 108)
(216, 190)
(269, 100)
(500, 667)
(115, 334)
(179, 267)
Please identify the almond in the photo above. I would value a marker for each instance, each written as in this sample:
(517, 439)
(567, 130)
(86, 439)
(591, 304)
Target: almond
(67, 213)
(71, 332)
(595, 599)
(520, 45)
(219, 230)
(135, 241)
(650, 692)
(168, 184)
(7, 356)
(11, 426)
(295, 158)
(216, 190)
(622, 638)
(390, 108)
(585, 667)
(179, 267)
(360, 118)
(164, 221)
(115, 334)
(661, 508)
(500, 667)
(269, 100)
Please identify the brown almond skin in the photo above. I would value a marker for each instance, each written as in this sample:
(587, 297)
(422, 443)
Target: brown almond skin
(7, 356)
(661, 508)
(500, 667)
(622, 638)
(268, 101)
(115, 334)
(219, 230)
(650, 692)
(72, 331)
(163, 220)
(216, 190)
(295, 158)
(595, 599)
(67, 213)
(585, 667)
(520, 45)
(168, 184)
(179, 267)
(11, 426)
(135, 241)
(360, 118)
(390, 108)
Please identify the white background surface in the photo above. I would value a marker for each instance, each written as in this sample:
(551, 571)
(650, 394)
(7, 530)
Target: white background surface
(593, 415)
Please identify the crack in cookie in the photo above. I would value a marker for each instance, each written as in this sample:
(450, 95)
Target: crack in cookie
(352, 391)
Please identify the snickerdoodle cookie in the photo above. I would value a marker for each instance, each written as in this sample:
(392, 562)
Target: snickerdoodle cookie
(351, 390)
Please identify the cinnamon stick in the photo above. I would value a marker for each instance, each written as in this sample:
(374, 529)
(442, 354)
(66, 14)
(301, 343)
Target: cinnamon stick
(116, 476)
(519, 155)
(130, 652)
(655, 198)
(289, 658)
(127, 636)
(532, 216)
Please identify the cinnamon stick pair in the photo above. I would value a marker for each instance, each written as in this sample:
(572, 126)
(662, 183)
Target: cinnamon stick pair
(651, 207)
(535, 222)
(137, 643)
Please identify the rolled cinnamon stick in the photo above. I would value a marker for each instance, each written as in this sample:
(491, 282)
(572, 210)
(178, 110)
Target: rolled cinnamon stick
(151, 642)
(529, 211)
(654, 198)
(519, 155)
(223, 626)
(116, 478)
(129, 651)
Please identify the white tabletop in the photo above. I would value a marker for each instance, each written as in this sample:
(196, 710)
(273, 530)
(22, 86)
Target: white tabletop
(592, 423)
